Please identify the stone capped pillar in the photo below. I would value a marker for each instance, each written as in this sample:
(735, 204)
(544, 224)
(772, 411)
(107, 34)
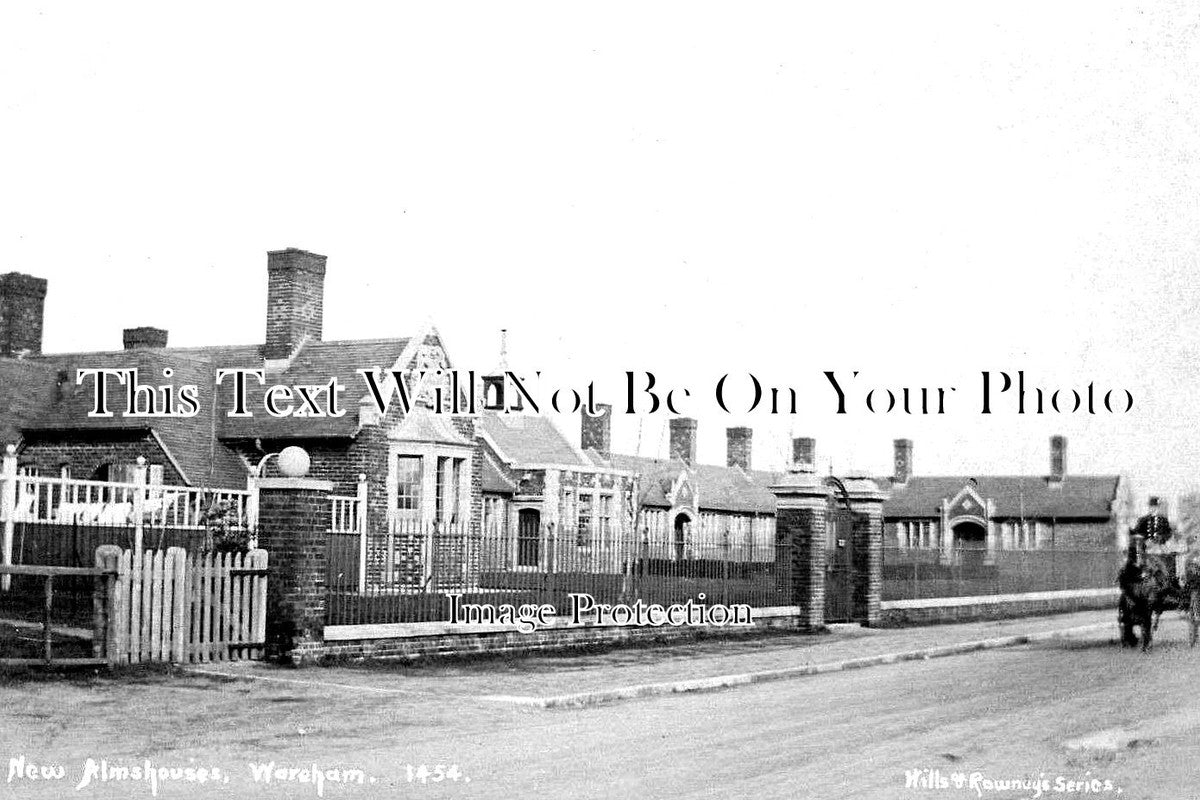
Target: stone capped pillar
(866, 503)
(801, 506)
(293, 518)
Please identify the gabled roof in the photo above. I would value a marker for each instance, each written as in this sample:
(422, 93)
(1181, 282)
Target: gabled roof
(202, 460)
(495, 481)
(422, 425)
(521, 440)
(1076, 497)
(188, 441)
(315, 364)
(719, 488)
(40, 402)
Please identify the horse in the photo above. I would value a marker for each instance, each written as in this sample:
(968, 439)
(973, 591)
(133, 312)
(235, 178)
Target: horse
(1143, 590)
(1191, 583)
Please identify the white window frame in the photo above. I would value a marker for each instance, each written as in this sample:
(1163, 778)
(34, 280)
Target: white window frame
(429, 454)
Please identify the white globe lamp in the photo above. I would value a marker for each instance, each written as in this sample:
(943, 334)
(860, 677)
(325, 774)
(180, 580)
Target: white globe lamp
(294, 462)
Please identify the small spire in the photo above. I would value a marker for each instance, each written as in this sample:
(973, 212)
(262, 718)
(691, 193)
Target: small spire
(504, 349)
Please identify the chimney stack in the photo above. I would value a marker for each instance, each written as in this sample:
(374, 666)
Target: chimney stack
(902, 460)
(683, 439)
(804, 452)
(137, 338)
(596, 432)
(737, 447)
(1058, 458)
(295, 301)
(22, 304)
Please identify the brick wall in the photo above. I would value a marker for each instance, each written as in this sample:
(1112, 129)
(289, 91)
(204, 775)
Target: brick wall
(292, 527)
(596, 432)
(868, 553)
(738, 442)
(295, 300)
(22, 301)
(905, 613)
(803, 530)
(1085, 535)
(420, 647)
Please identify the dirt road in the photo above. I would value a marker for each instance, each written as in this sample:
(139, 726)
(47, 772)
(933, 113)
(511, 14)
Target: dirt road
(1062, 711)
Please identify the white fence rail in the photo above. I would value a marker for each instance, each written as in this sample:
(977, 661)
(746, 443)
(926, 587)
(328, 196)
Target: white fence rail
(348, 521)
(137, 505)
(66, 501)
(183, 607)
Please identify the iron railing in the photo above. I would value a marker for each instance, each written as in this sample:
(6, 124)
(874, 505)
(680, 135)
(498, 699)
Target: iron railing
(412, 571)
(923, 573)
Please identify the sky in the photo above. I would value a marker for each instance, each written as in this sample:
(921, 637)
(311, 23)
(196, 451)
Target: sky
(919, 192)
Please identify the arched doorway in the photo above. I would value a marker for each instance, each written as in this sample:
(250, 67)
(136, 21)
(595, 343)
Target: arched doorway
(683, 525)
(970, 545)
(529, 538)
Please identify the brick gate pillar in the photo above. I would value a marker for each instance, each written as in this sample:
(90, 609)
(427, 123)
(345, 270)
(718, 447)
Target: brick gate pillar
(801, 504)
(293, 521)
(866, 503)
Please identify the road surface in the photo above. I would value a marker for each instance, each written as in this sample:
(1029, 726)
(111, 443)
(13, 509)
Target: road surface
(1062, 711)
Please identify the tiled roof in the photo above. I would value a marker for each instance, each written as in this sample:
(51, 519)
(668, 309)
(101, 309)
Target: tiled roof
(188, 440)
(524, 439)
(316, 363)
(494, 481)
(27, 387)
(1076, 497)
(718, 488)
(203, 459)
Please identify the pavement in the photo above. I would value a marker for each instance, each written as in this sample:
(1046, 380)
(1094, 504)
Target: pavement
(1073, 711)
(573, 680)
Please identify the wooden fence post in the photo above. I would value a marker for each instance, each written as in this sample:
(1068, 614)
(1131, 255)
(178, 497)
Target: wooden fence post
(136, 575)
(252, 510)
(47, 609)
(360, 524)
(8, 506)
(119, 617)
(258, 622)
(164, 614)
(139, 504)
(195, 571)
(108, 557)
(179, 603)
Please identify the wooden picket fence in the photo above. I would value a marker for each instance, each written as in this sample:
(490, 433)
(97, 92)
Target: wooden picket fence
(180, 607)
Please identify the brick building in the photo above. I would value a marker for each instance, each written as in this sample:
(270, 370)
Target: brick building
(537, 500)
(417, 466)
(965, 516)
(555, 505)
(693, 510)
(547, 505)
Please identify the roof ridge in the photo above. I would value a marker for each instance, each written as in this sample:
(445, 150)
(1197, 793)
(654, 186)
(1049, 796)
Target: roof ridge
(194, 348)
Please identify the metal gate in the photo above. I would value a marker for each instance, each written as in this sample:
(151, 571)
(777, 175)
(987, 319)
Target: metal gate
(841, 574)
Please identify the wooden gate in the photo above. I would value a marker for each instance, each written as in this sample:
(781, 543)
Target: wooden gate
(841, 575)
(181, 607)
